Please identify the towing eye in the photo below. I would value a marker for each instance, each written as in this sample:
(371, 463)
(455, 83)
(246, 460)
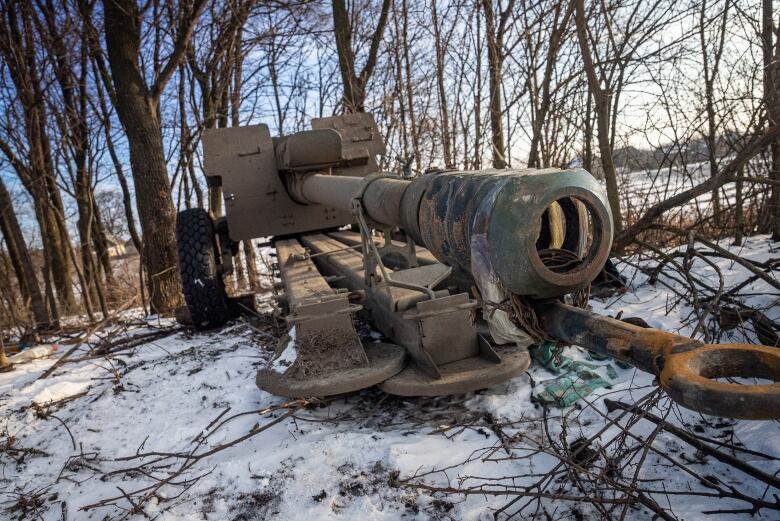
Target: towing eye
(690, 371)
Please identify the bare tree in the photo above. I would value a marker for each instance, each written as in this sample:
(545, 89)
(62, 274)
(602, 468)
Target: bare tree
(28, 148)
(711, 59)
(601, 99)
(770, 40)
(71, 69)
(441, 42)
(354, 82)
(21, 260)
(496, 20)
(103, 89)
(137, 104)
(541, 95)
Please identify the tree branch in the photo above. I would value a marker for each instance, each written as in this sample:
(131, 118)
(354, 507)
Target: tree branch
(647, 221)
(376, 39)
(180, 46)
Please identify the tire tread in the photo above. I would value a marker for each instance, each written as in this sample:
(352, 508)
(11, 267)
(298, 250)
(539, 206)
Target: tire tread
(204, 292)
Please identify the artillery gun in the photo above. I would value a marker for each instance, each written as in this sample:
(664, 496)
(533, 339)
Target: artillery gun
(461, 271)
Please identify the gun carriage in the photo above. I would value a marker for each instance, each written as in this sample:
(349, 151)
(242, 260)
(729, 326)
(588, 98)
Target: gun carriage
(461, 271)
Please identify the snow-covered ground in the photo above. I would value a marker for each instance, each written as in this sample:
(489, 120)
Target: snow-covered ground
(365, 456)
(639, 190)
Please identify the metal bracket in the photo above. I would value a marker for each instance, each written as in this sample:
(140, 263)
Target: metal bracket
(404, 256)
(372, 259)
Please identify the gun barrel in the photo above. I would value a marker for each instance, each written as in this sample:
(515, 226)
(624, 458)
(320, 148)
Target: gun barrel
(497, 224)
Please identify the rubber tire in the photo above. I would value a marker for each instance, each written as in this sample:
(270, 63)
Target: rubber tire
(204, 291)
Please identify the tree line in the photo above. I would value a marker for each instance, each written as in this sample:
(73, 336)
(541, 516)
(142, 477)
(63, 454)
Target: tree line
(111, 96)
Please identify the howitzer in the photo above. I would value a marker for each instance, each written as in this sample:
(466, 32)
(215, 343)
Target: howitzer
(461, 271)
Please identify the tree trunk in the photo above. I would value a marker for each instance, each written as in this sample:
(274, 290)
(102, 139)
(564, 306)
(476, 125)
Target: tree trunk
(354, 84)
(771, 52)
(353, 99)
(495, 48)
(19, 53)
(602, 101)
(251, 266)
(410, 88)
(137, 110)
(773, 205)
(240, 273)
(127, 202)
(21, 260)
(477, 160)
(443, 110)
(59, 237)
(398, 92)
(710, 75)
(587, 160)
(101, 248)
(71, 72)
(544, 100)
(57, 251)
(4, 363)
(51, 299)
(88, 267)
(739, 214)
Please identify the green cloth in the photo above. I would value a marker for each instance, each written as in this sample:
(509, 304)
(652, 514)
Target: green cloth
(592, 355)
(576, 379)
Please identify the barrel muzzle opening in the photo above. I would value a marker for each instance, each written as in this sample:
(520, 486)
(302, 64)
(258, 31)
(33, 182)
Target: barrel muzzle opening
(573, 240)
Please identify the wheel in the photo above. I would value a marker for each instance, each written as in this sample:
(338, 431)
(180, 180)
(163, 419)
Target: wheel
(204, 291)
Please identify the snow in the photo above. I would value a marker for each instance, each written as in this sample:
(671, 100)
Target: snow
(639, 190)
(39, 351)
(287, 356)
(356, 457)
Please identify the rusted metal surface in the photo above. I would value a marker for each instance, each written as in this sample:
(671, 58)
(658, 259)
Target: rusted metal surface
(690, 379)
(690, 372)
(501, 213)
(641, 347)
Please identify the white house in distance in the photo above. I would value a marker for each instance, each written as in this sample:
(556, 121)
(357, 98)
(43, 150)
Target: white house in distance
(115, 246)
